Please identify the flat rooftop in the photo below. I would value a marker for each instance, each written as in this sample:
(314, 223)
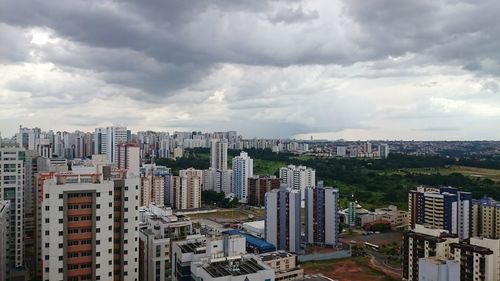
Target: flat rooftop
(274, 255)
(191, 248)
(233, 268)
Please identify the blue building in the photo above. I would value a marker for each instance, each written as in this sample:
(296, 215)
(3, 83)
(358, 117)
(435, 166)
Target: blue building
(443, 208)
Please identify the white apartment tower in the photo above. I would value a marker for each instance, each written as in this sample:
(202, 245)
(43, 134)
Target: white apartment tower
(242, 170)
(107, 139)
(12, 158)
(298, 177)
(218, 154)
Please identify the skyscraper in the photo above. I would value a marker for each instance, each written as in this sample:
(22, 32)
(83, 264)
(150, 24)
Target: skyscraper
(282, 218)
(218, 154)
(12, 157)
(321, 215)
(441, 208)
(242, 170)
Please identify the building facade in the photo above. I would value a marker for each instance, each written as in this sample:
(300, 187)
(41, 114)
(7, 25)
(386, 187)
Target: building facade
(106, 141)
(438, 269)
(187, 189)
(258, 186)
(284, 264)
(12, 169)
(129, 158)
(218, 154)
(486, 218)
(158, 229)
(4, 237)
(242, 170)
(89, 225)
(298, 177)
(442, 208)
(282, 218)
(321, 215)
(421, 243)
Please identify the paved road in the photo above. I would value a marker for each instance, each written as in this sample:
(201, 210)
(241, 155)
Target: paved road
(379, 261)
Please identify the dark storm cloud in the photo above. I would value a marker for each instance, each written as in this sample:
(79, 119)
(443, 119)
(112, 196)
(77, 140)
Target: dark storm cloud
(288, 62)
(464, 33)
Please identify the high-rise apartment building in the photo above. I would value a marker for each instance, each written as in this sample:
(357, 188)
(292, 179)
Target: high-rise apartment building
(321, 215)
(486, 218)
(4, 237)
(477, 263)
(298, 177)
(477, 257)
(218, 152)
(442, 208)
(128, 158)
(217, 180)
(242, 170)
(89, 224)
(187, 189)
(258, 186)
(12, 157)
(157, 175)
(383, 150)
(282, 218)
(152, 190)
(423, 243)
(106, 141)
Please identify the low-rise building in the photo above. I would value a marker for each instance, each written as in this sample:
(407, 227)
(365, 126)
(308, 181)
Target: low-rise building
(247, 267)
(255, 228)
(284, 264)
(397, 218)
(158, 228)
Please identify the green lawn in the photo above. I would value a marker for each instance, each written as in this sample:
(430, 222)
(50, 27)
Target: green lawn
(473, 172)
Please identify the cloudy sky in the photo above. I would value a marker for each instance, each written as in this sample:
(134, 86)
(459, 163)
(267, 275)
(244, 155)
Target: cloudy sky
(352, 69)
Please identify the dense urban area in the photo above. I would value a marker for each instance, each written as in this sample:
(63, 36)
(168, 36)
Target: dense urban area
(117, 205)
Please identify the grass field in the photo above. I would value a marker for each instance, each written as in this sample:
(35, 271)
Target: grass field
(228, 215)
(474, 172)
(350, 269)
(264, 167)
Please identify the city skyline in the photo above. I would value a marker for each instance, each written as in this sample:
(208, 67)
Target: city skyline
(328, 69)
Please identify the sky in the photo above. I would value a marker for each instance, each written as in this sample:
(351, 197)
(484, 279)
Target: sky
(351, 69)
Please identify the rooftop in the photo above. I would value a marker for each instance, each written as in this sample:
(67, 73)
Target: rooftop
(239, 267)
(274, 255)
(195, 247)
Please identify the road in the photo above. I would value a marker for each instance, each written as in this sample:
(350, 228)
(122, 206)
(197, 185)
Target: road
(379, 261)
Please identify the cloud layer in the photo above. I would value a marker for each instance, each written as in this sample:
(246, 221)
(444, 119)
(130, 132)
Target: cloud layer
(352, 69)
